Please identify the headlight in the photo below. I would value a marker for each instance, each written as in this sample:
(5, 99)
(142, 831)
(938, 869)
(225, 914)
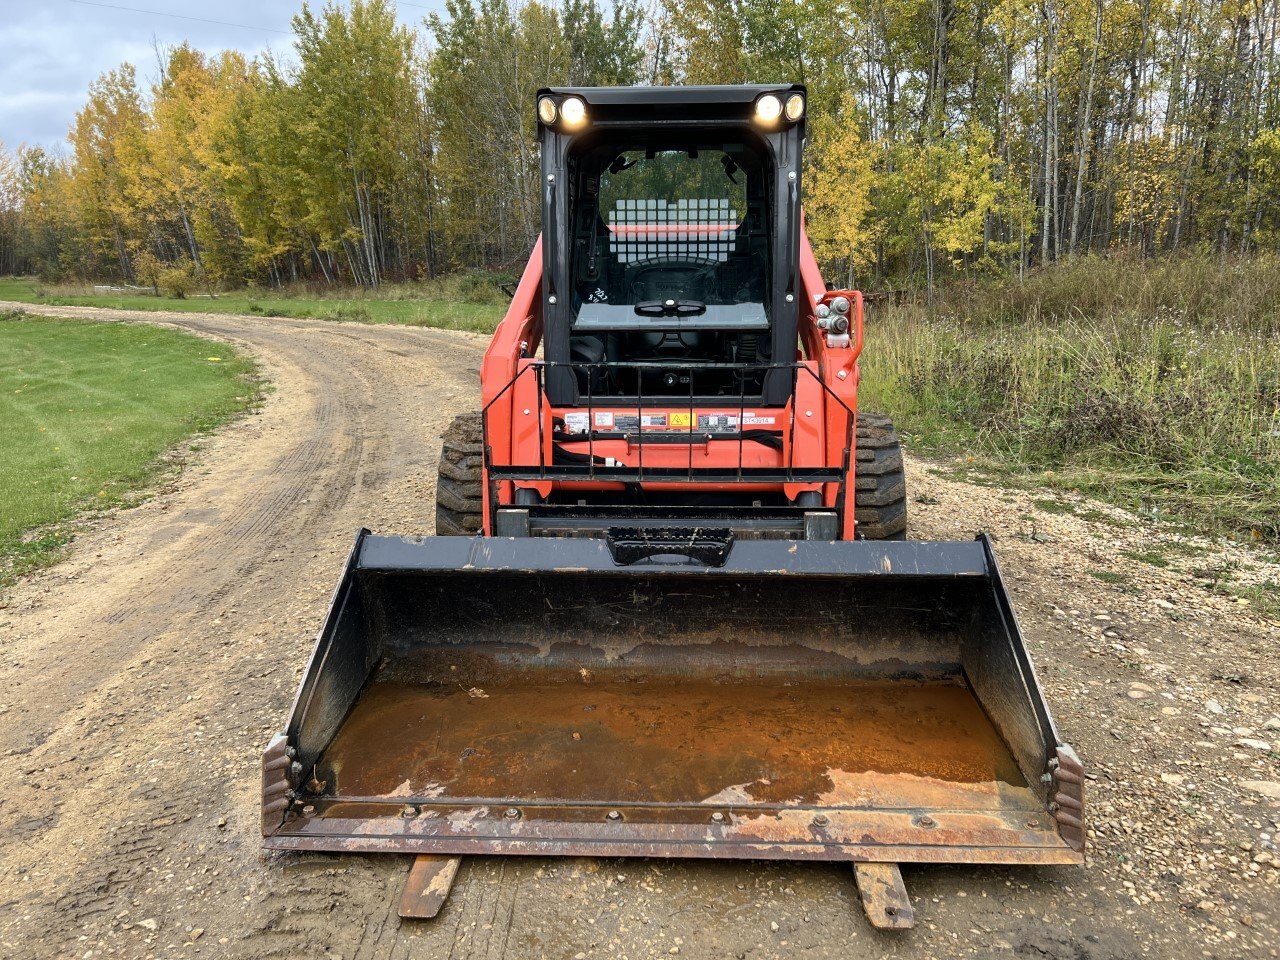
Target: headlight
(795, 107)
(574, 112)
(547, 110)
(768, 109)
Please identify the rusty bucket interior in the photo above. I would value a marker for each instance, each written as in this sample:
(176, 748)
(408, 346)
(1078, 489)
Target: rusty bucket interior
(855, 701)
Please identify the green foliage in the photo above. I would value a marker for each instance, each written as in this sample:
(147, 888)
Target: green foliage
(11, 198)
(89, 408)
(1264, 178)
(489, 60)
(602, 53)
(359, 158)
(841, 178)
(1010, 133)
(937, 199)
(177, 279)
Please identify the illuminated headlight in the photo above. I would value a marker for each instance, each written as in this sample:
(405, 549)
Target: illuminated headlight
(768, 109)
(840, 305)
(795, 107)
(547, 110)
(574, 112)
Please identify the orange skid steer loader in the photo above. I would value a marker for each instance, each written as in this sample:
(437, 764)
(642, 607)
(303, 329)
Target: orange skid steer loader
(671, 610)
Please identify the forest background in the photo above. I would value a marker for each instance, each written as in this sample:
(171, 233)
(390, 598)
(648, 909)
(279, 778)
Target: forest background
(949, 138)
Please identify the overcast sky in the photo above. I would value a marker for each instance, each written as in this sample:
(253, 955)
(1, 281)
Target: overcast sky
(53, 49)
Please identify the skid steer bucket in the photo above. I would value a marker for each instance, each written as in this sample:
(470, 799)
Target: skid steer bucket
(857, 701)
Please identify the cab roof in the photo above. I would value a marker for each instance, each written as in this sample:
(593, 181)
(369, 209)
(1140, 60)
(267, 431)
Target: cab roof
(682, 105)
(727, 93)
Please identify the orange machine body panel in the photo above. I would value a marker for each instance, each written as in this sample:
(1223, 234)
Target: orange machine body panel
(813, 427)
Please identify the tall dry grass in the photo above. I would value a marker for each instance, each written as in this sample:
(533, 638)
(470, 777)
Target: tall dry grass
(1154, 384)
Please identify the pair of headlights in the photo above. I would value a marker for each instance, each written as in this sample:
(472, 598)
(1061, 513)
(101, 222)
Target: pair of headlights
(769, 108)
(572, 110)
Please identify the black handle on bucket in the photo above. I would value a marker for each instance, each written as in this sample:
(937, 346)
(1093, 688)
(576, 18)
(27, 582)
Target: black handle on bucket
(708, 547)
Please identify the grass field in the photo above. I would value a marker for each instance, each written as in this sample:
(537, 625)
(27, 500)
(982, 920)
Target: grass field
(454, 304)
(88, 411)
(1154, 385)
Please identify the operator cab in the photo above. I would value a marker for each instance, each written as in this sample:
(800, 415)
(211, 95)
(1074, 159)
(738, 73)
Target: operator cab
(671, 265)
(671, 239)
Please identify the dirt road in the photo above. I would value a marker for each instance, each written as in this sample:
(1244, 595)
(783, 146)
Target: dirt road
(140, 679)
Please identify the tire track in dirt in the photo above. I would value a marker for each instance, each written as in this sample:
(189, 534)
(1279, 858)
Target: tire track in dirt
(277, 489)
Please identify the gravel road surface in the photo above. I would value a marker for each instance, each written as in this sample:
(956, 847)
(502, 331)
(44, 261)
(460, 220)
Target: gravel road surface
(140, 679)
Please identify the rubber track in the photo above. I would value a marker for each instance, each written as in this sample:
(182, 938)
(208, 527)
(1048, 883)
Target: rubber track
(459, 486)
(880, 483)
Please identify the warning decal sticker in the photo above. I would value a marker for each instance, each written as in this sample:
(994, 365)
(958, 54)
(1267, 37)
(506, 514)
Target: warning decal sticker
(717, 422)
(626, 423)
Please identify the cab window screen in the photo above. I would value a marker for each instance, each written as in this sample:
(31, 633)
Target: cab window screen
(672, 224)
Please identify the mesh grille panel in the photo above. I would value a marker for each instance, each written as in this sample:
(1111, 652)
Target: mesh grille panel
(641, 230)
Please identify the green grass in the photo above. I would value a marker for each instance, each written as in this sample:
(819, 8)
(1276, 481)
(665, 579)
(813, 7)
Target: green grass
(1263, 597)
(1107, 576)
(88, 411)
(1150, 557)
(1142, 392)
(453, 304)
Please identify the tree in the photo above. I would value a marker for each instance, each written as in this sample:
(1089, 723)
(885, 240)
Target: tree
(353, 81)
(108, 140)
(937, 200)
(602, 52)
(840, 177)
(10, 213)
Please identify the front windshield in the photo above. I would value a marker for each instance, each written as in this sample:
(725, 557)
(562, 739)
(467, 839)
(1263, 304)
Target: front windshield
(671, 236)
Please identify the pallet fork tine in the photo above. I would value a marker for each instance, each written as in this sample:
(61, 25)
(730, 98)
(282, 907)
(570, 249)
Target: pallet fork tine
(427, 886)
(884, 896)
